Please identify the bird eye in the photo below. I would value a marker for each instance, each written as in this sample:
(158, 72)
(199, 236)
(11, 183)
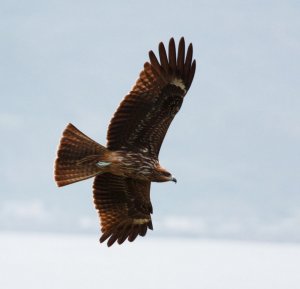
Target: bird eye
(166, 174)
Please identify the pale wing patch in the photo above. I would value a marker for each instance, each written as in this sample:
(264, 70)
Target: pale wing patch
(179, 83)
(140, 221)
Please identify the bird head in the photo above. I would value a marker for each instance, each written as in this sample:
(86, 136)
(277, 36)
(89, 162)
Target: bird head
(162, 175)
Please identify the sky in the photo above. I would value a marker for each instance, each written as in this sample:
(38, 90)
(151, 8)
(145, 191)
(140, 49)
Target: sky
(233, 147)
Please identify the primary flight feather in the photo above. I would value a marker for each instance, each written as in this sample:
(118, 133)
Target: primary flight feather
(125, 168)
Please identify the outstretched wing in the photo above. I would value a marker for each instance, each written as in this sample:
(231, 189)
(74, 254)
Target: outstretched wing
(144, 116)
(124, 207)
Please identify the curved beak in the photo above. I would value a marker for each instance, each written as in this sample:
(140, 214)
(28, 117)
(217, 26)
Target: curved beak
(174, 180)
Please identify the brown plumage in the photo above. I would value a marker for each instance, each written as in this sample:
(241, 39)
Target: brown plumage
(125, 169)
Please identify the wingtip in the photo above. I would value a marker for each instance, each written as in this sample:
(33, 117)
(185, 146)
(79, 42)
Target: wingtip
(161, 45)
(151, 53)
(181, 41)
(150, 225)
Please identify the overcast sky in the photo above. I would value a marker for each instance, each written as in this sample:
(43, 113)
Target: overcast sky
(233, 147)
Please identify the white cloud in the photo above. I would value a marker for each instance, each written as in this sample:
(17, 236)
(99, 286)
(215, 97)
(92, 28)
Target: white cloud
(58, 261)
(87, 223)
(183, 224)
(24, 210)
(244, 227)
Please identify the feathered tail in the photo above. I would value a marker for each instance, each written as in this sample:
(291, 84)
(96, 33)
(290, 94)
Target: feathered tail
(77, 156)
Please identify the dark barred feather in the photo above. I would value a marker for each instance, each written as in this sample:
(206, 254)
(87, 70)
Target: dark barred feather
(76, 157)
(124, 207)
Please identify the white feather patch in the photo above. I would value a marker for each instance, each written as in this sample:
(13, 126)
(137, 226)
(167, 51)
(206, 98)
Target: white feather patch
(103, 164)
(179, 83)
(140, 221)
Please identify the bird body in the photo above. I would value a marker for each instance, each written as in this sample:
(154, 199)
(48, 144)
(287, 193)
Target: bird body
(71, 167)
(125, 168)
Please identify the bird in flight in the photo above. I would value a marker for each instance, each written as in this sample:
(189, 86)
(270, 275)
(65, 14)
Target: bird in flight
(125, 168)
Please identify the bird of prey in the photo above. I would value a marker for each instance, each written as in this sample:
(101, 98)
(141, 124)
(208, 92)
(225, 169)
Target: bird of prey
(125, 168)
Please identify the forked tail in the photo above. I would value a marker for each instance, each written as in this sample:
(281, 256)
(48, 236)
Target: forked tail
(77, 156)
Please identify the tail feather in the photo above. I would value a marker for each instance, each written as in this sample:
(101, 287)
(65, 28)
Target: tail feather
(77, 156)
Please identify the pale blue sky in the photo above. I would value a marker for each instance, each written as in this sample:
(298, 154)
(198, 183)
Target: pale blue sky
(234, 146)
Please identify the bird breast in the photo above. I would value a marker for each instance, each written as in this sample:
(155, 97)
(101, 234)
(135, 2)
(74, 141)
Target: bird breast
(133, 165)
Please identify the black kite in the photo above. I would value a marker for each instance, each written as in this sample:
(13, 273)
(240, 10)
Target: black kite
(125, 168)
